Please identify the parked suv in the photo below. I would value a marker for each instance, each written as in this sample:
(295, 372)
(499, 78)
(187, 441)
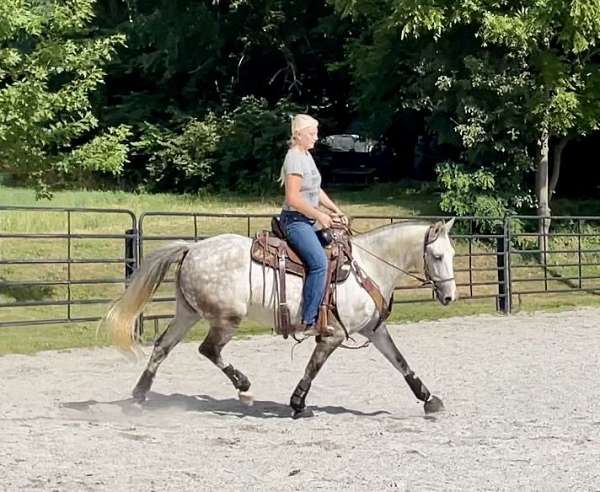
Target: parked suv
(351, 158)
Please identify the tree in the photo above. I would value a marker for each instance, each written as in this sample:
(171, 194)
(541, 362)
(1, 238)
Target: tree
(50, 66)
(186, 60)
(502, 81)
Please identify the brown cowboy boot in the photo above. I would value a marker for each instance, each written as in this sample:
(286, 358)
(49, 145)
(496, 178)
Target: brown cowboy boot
(320, 327)
(323, 327)
(314, 330)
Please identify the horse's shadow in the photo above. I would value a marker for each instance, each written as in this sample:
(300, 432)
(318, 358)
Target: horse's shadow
(206, 404)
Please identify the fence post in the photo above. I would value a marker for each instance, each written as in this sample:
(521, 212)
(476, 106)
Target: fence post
(131, 265)
(131, 245)
(503, 268)
(503, 274)
(508, 260)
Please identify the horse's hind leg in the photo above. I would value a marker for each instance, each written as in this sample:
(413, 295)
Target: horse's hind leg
(325, 347)
(184, 319)
(383, 342)
(220, 334)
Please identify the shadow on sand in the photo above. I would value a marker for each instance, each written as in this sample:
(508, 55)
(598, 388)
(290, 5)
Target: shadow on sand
(207, 404)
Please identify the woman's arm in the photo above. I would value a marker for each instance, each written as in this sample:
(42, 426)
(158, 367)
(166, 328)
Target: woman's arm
(293, 197)
(328, 203)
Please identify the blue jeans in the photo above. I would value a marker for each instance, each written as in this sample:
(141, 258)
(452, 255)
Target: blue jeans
(303, 239)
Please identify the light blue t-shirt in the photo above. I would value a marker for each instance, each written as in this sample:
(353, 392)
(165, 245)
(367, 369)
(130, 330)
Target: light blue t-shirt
(303, 164)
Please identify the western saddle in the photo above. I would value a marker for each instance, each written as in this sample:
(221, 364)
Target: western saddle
(270, 249)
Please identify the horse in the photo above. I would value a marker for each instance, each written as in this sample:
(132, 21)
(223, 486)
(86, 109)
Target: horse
(217, 280)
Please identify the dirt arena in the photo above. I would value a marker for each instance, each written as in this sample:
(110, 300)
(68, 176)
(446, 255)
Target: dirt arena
(522, 398)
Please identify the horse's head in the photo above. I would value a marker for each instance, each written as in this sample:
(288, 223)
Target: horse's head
(438, 259)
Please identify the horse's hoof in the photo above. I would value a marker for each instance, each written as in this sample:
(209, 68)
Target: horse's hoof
(434, 404)
(139, 396)
(246, 398)
(304, 413)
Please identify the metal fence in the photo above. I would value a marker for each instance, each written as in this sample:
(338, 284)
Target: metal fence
(567, 260)
(61, 265)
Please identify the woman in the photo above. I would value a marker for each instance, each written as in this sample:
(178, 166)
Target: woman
(303, 196)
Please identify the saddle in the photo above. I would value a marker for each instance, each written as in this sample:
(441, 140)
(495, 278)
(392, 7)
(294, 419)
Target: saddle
(269, 246)
(271, 250)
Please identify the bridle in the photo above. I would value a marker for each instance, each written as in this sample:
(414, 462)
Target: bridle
(428, 278)
(435, 283)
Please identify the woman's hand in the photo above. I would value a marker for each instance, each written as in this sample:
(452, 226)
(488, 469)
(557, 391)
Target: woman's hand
(340, 217)
(325, 220)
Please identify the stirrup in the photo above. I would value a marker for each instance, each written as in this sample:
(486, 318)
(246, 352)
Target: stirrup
(312, 330)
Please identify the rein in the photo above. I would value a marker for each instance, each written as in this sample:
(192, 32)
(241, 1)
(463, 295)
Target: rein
(428, 280)
(424, 281)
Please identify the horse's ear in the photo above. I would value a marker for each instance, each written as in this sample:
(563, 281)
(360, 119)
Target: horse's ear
(435, 231)
(448, 225)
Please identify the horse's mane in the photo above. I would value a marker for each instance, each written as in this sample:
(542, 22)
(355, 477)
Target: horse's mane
(395, 225)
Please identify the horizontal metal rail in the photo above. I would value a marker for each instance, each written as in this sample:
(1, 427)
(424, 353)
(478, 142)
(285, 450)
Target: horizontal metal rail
(49, 321)
(55, 302)
(35, 283)
(57, 235)
(64, 261)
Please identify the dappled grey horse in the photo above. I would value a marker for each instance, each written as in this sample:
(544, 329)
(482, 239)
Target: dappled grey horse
(217, 281)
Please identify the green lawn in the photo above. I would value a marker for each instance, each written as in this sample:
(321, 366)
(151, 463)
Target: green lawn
(407, 199)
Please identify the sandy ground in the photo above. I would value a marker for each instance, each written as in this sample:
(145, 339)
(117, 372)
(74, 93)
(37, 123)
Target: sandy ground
(522, 412)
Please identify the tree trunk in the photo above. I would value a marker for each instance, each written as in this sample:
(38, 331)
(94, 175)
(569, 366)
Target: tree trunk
(543, 197)
(556, 162)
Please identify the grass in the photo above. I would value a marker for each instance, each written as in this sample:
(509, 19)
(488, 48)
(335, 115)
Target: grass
(408, 199)
(386, 199)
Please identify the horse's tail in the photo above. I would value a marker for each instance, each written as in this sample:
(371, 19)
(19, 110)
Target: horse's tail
(122, 314)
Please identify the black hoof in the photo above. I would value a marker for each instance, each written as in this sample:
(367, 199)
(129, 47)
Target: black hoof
(143, 386)
(139, 395)
(301, 414)
(433, 405)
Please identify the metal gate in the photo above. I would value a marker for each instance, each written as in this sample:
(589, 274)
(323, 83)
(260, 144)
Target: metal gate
(566, 260)
(63, 265)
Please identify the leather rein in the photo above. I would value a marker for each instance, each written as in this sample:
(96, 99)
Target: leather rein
(428, 280)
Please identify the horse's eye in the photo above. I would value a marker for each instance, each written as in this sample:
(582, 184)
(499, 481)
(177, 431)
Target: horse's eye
(437, 257)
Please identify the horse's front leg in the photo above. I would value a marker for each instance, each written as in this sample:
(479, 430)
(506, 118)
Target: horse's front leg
(325, 347)
(383, 341)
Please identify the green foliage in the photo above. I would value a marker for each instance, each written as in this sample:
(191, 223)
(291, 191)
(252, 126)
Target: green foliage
(186, 58)
(106, 152)
(195, 86)
(241, 149)
(489, 78)
(182, 162)
(50, 66)
(253, 145)
(469, 190)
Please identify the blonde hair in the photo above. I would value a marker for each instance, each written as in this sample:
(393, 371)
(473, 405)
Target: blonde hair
(299, 123)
